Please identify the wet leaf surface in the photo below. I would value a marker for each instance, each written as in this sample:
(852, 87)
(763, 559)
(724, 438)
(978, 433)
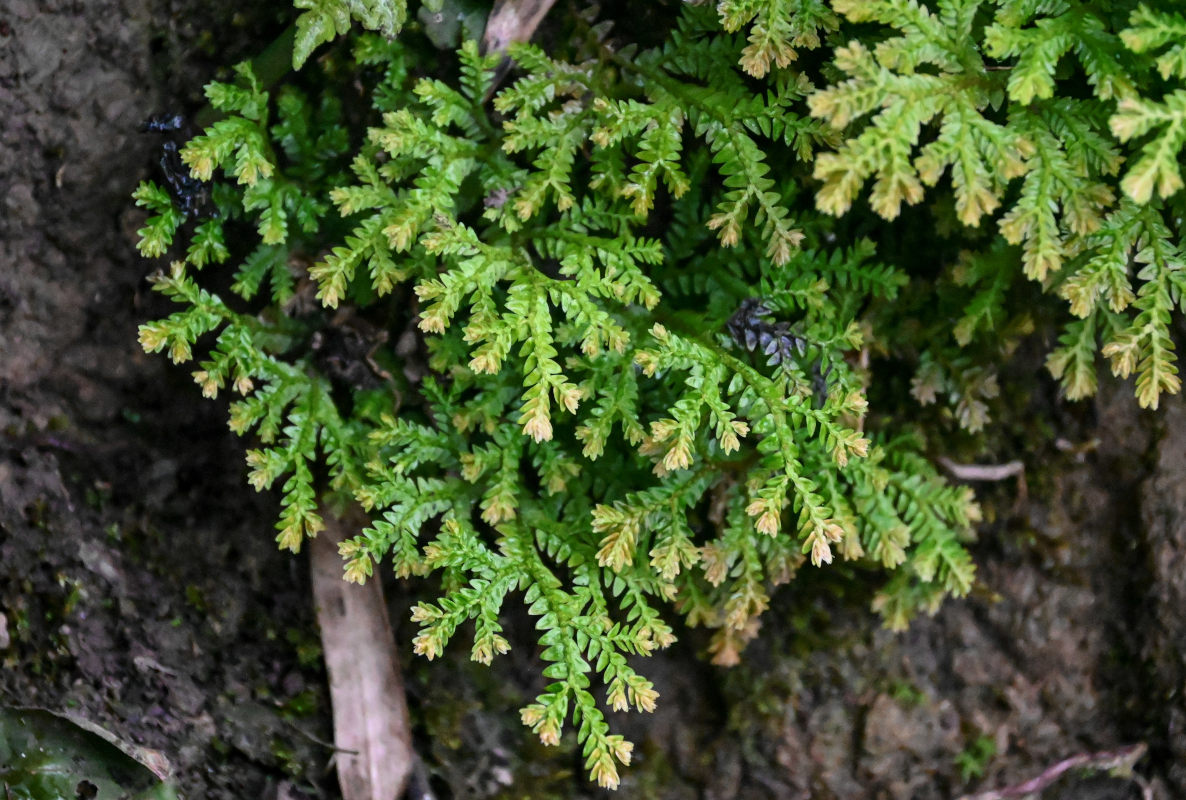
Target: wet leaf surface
(48, 756)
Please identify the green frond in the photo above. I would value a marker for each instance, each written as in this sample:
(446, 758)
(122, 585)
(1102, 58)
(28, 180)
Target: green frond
(982, 154)
(1073, 361)
(208, 245)
(1157, 169)
(156, 237)
(236, 144)
(265, 262)
(1039, 48)
(777, 28)
(1152, 30)
(322, 21)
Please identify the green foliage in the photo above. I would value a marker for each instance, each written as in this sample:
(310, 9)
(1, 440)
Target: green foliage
(544, 390)
(47, 756)
(1030, 106)
(157, 234)
(322, 21)
(974, 759)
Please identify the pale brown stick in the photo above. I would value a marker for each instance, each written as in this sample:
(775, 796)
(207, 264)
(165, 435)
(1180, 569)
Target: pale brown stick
(372, 732)
(513, 21)
(981, 472)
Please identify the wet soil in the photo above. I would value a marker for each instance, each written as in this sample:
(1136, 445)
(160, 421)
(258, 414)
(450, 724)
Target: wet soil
(140, 586)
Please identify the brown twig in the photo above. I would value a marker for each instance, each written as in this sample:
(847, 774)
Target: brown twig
(1121, 760)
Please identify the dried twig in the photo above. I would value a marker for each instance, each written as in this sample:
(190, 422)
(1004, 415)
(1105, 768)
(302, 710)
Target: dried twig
(513, 21)
(372, 733)
(1121, 761)
(981, 472)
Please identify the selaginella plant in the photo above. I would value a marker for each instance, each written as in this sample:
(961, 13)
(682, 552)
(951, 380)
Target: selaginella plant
(599, 336)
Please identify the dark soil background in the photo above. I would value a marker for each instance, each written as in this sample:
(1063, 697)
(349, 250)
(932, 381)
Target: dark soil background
(140, 586)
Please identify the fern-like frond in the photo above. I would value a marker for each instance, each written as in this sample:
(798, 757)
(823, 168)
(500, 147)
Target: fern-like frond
(1157, 169)
(322, 21)
(1151, 30)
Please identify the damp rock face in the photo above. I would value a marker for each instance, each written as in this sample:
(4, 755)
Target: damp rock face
(1163, 514)
(73, 77)
(124, 598)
